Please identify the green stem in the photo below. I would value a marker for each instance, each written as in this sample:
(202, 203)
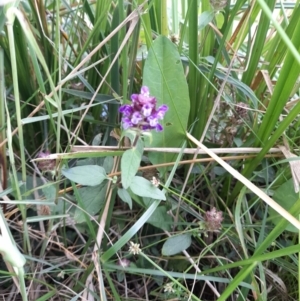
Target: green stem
(59, 107)
(2, 123)
(11, 17)
(22, 283)
(169, 276)
(193, 57)
(10, 22)
(164, 18)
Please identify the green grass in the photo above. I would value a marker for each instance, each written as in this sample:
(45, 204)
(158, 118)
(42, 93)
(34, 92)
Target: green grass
(231, 81)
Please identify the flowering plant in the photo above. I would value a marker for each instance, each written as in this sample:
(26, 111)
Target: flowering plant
(46, 165)
(142, 114)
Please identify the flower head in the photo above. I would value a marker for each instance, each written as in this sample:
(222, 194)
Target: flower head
(155, 182)
(134, 248)
(46, 165)
(142, 113)
(124, 262)
(168, 288)
(126, 110)
(213, 219)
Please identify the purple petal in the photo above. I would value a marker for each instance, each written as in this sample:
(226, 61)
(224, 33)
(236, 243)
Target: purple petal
(144, 99)
(146, 127)
(153, 121)
(43, 154)
(163, 108)
(159, 127)
(126, 110)
(145, 91)
(126, 123)
(147, 110)
(136, 117)
(160, 113)
(152, 100)
(134, 97)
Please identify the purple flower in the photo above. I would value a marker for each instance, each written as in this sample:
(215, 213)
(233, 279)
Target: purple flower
(145, 91)
(161, 111)
(147, 109)
(43, 154)
(159, 127)
(126, 110)
(142, 113)
(124, 262)
(136, 117)
(126, 121)
(135, 97)
(153, 121)
(46, 165)
(213, 219)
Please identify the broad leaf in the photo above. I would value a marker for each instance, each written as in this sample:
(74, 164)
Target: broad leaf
(97, 140)
(161, 219)
(93, 199)
(286, 197)
(125, 197)
(26, 188)
(176, 244)
(108, 164)
(164, 75)
(130, 163)
(49, 192)
(142, 187)
(205, 18)
(89, 175)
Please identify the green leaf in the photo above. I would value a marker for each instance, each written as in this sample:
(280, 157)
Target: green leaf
(163, 62)
(176, 244)
(49, 192)
(130, 163)
(130, 233)
(64, 112)
(142, 187)
(148, 201)
(219, 19)
(27, 188)
(161, 219)
(125, 197)
(289, 74)
(205, 18)
(93, 199)
(97, 140)
(62, 207)
(102, 98)
(108, 164)
(89, 175)
(286, 197)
